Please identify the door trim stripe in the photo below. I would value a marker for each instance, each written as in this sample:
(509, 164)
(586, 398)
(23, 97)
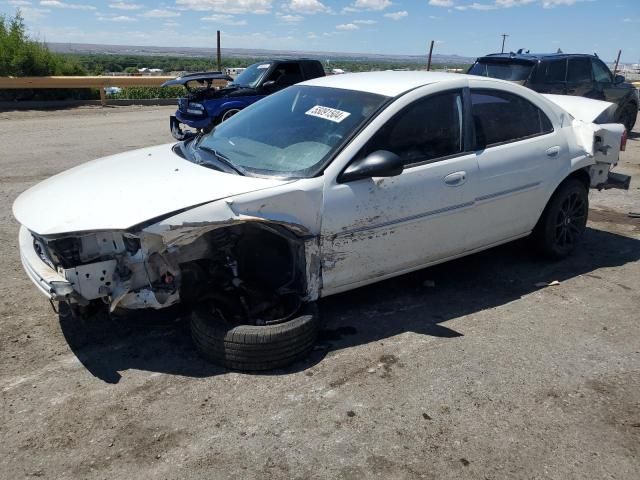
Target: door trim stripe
(436, 212)
(406, 219)
(507, 192)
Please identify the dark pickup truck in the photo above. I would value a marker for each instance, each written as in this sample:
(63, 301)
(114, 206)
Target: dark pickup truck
(564, 74)
(205, 106)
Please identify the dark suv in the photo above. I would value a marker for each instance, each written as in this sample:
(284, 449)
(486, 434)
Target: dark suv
(565, 74)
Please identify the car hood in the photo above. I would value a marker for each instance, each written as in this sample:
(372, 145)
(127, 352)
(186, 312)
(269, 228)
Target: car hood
(197, 77)
(227, 92)
(124, 190)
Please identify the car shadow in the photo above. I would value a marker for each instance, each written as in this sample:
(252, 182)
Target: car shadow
(419, 302)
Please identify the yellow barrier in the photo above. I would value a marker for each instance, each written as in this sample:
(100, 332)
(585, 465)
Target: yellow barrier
(84, 82)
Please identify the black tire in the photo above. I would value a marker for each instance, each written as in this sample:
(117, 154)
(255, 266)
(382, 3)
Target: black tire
(628, 116)
(563, 221)
(253, 348)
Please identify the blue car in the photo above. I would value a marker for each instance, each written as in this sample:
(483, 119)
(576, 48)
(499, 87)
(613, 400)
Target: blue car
(205, 107)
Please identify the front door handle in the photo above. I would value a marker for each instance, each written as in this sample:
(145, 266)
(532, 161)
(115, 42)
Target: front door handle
(553, 152)
(455, 179)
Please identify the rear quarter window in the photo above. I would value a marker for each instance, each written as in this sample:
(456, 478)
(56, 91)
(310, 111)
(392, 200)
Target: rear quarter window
(512, 70)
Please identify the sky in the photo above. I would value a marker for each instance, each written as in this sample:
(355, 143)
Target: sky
(464, 27)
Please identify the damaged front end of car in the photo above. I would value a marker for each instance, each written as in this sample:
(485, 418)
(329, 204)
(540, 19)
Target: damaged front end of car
(252, 272)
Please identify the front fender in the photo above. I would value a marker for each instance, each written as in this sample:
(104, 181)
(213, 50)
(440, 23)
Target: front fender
(218, 109)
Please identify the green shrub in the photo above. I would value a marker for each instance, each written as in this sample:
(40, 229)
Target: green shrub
(139, 93)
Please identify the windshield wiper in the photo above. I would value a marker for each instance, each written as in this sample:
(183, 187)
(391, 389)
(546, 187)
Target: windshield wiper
(222, 159)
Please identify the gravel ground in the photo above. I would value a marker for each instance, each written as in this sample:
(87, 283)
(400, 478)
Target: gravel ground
(465, 370)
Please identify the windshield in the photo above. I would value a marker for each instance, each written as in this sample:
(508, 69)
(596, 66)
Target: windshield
(514, 71)
(288, 134)
(251, 75)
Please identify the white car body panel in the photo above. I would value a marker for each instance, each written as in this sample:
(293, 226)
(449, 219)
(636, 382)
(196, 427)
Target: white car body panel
(374, 227)
(389, 84)
(142, 184)
(580, 108)
(351, 234)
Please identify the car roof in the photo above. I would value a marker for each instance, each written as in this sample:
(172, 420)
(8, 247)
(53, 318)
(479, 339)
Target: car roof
(534, 56)
(286, 59)
(386, 83)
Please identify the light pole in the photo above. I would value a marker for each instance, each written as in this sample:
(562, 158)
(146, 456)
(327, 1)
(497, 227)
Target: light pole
(504, 37)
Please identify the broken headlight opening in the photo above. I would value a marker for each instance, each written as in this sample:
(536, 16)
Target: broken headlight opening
(195, 108)
(249, 273)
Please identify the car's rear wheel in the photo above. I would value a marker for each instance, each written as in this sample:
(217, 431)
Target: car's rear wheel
(628, 116)
(254, 347)
(563, 221)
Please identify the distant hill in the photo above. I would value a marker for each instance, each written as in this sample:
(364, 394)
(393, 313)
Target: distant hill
(88, 48)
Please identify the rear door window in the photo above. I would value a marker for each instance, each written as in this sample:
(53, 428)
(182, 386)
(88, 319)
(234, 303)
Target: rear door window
(502, 117)
(579, 70)
(551, 71)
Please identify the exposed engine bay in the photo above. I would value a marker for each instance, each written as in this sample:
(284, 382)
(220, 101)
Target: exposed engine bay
(253, 273)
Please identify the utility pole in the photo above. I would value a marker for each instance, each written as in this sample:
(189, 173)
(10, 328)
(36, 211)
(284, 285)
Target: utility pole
(615, 70)
(504, 38)
(430, 53)
(219, 55)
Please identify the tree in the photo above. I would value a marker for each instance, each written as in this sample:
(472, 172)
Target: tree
(22, 56)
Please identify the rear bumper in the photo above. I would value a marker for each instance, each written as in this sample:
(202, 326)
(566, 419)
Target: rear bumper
(616, 180)
(48, 281)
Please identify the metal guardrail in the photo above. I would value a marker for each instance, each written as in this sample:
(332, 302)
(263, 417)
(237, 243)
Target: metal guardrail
(96, 82)
(82, 82)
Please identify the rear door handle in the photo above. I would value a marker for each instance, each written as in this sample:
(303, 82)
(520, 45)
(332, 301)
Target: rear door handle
(455, 179)
(553, 152)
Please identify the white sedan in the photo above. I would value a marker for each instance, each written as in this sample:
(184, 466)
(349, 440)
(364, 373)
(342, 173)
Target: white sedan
(327, 186)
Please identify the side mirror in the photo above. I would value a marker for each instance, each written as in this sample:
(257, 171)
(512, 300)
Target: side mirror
(618, 79)
(269, 85)
(377, 164)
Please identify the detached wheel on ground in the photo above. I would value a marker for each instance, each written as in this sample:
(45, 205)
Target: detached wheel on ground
(253, 347)
(563, 221)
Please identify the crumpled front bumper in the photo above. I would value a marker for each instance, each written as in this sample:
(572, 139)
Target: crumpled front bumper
(193, 121)
(48, 281)
(176, 123)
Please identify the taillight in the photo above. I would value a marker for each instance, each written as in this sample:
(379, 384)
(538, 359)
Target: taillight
(623, 141)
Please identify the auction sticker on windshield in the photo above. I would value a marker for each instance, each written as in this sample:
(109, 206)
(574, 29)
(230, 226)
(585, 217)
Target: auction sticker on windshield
(264, 65)
(328, 113)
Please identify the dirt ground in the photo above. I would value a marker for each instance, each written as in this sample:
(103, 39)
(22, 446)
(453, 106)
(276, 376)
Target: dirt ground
(462, 371)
